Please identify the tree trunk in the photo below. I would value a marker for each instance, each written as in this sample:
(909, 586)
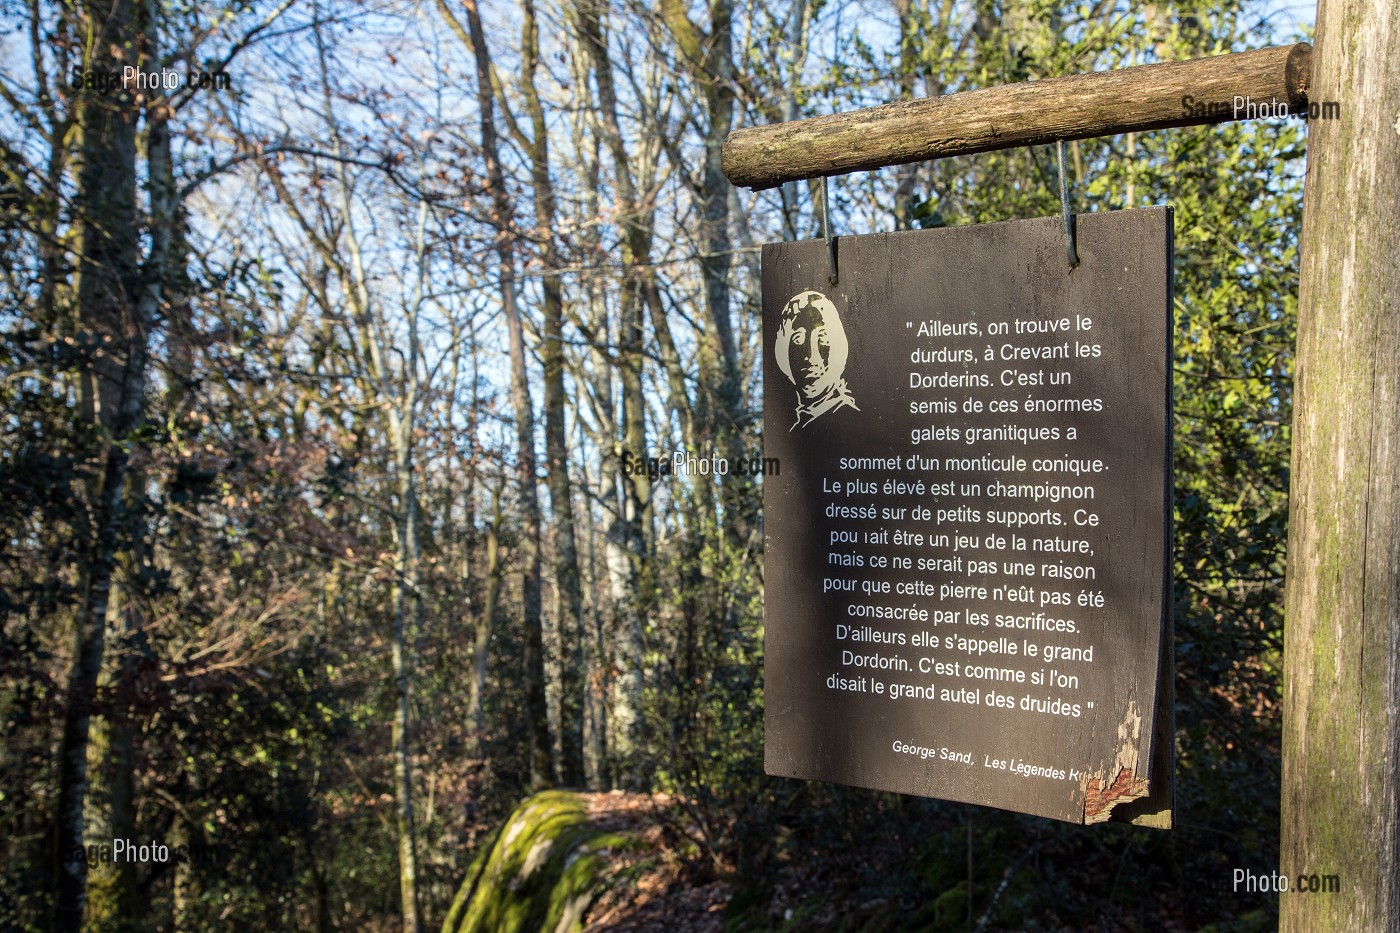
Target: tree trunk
(113, 899)
(709, 57)
(536, 707)
(404, 600)
(596, 380)
(630, 536)
(633, 536)
(111, 398)
(81, 696)
(1341, 789)
(797, 29)
(182, 892)
(484, 625)
(568, 595)
(595, 696)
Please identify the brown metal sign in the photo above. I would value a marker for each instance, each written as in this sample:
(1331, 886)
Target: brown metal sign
(967, 547)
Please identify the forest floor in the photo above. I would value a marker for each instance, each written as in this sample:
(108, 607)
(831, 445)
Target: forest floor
(855, 862)
(668, 890)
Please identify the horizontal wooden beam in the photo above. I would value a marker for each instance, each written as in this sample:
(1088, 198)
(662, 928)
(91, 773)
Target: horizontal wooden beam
(1105, 103)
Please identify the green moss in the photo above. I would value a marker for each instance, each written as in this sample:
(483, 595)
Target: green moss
(540, 871)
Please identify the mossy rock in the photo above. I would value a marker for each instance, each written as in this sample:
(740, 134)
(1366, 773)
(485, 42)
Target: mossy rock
(541, 870)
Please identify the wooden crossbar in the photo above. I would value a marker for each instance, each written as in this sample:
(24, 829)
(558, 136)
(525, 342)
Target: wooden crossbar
(1149, 97)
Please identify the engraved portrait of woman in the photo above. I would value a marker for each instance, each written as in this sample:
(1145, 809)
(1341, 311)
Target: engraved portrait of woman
(811, 351)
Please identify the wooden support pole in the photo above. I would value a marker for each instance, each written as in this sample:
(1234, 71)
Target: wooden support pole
(1341, 731)
(1105, 103)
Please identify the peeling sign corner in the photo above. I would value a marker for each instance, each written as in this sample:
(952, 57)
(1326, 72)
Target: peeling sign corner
(1101, 795)
(1118, 783)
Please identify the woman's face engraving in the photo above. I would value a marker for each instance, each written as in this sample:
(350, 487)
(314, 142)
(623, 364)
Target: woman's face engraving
(810, 353)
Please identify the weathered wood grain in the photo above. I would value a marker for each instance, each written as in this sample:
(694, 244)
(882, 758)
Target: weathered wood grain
(1147, 97)
(1341, 734)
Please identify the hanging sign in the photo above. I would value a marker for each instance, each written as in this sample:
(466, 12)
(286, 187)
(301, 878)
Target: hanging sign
(967, 544)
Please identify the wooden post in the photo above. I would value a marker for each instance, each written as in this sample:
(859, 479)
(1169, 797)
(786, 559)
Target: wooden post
(1341, 739)
(1341, 750)
(1148, 97)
